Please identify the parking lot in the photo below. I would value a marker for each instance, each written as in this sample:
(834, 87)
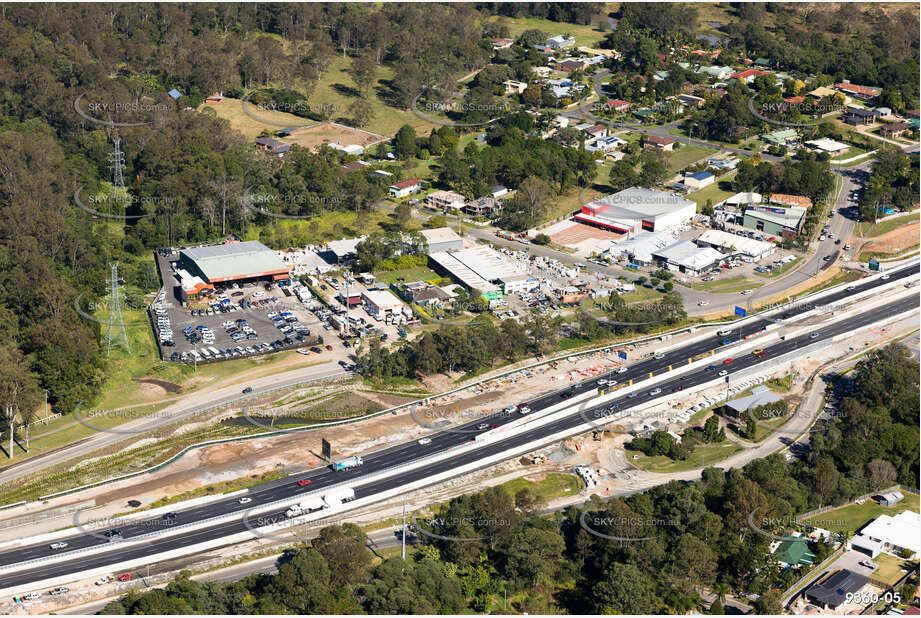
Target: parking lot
(245, 319)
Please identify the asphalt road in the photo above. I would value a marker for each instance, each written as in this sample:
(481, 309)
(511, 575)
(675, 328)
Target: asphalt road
(192, 405)
(442, 441)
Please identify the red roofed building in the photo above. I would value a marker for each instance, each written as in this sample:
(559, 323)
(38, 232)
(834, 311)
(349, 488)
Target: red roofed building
(791, 200)
(748, 75)
(860, 92)
(618, 105)
(659, 143)
(405, 187)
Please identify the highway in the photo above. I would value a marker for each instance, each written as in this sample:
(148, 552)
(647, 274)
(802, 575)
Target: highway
(442, 441)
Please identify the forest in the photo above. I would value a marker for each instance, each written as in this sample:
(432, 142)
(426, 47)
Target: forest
(682, 538)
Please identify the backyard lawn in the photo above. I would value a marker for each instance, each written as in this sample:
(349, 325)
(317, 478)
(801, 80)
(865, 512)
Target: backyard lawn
(891, 569)
(417, 273)
(853, 517)
(712, 193)
(686, 155)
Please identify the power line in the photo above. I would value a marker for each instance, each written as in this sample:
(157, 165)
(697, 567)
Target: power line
(115, 328)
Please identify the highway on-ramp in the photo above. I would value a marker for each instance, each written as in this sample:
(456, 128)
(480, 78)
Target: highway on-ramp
(396, 456)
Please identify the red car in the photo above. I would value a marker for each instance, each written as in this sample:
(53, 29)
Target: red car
(329, 347)
(493, 426)
(304, 482)
(124, 577)
(727, 361)
(678, 388)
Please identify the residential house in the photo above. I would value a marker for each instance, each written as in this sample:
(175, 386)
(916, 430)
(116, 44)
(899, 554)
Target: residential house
(349, 149)
(569, 66)
(514, 87)
(560, 42)
(541, 71)
(764, 63)
(604, 144)
(699, 180)
(499, 191)
(483, 207)
(858, 92)
(597, 130)
(660, 76)
(895, 129)
(501, 43)
(836, 590)
(892, 534)
(593, 60)
(691, 101)
(215, 98)
(828, 145)
(272, 146)
(717, 72)
(655, 142)
(782, 137)
(403, 188)
(858, 116)
(644, 114)
(618, 105)
(794, 551)
(445, 200)
(723, 162)
(748, 75)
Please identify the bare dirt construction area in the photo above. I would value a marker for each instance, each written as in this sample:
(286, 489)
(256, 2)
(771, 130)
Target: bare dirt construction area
(895, 241)
(330, 132)
(578, 232)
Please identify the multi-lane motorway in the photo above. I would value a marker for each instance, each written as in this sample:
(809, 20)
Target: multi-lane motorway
(399, 455)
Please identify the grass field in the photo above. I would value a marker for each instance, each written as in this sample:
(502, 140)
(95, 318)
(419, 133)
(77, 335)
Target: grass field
(891, 569)
(853, 151)
(783, 269)
(905, 253)
(555, 485)
(418, 273)
(686, 155)
(853, 517)
(725, 286)
(703, 455)
(884, 227)
(586, 36)
(712, 193)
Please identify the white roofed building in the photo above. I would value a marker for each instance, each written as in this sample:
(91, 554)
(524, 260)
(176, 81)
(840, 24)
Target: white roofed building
(688, 258)
(749, 249)
(640, 248)
(635, 209)
(891, 534)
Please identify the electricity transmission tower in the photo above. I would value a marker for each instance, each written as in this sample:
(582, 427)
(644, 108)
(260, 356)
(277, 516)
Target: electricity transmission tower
(115, 327)
(117, 164)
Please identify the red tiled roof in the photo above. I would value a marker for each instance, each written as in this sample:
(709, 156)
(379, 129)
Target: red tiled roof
(870, 92)
(617, 103)
(748, 73)
(663, 141)
(405, 184)
(795, 100)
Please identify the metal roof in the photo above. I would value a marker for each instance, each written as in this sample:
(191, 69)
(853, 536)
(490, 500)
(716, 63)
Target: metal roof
(235, 260)
(747, 246)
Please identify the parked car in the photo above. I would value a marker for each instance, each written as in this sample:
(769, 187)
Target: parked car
(32, 596)
(60, 590)
(124, 577)
(102, 581)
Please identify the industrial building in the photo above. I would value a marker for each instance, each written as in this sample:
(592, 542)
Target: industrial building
(230, 262)
(442, 239)
(688, 258)
(479, 268)
(749, 249)
(378, 303)
(774, 219)
(635, 209)
(639, 249)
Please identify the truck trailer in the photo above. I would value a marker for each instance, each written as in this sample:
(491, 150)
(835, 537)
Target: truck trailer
(349, 462)
(337, 497)
(308, 505)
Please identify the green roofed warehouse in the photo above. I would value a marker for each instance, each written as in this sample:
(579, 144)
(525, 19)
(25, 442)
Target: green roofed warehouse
(233, 262)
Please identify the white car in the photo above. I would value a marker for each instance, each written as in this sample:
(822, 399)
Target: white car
(424, 441)
(655, 392)
(60, 590)
(510, 409)
(245, 500)
(659, 356)
(746, 292)
(524, 410)
(702, 303)
(32, 596)
(724, 373)
(884, 277)
(59, 545)
(601, 382)
(622, 370)
(258, 293)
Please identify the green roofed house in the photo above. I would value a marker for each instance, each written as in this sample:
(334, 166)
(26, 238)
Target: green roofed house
(781, 138)
(793, 551)
(763, 62)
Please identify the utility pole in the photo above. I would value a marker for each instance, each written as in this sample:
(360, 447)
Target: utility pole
(403, 538)
(9, 416)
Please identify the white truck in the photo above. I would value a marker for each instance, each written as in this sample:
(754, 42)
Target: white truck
(337, 497)
(307, 506)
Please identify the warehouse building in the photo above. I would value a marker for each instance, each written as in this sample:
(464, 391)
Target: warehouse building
(639, 249)
(442, 239)
(378, 303)
(749, 249)
(774, 219)
(635, 209)
(479, 268)
(688, 258)
(233, 262)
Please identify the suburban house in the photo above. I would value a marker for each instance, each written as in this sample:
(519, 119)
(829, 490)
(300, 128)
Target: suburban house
(568, 66)
(483, 207)
(699, 180)
(723, 162)
(896, 535)
(618, 105)
(215, 98)
(541, 71)
(794, 551)
(859, 92)
(498, 191)
(272, 146)
(836, 590)
(501, 43)
(858, 116)
(604, 144)
(659, 143)
(895, 129)
(349, 149)
(781, 138)
(560, 42)
(828, 145)
(764, 63)
(406, 187)
(691, 100)
(514, 87)
(718, 72)
(748, 75)
(445, 200)
(597, 130)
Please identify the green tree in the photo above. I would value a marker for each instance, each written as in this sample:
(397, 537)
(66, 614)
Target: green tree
(404, 144)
